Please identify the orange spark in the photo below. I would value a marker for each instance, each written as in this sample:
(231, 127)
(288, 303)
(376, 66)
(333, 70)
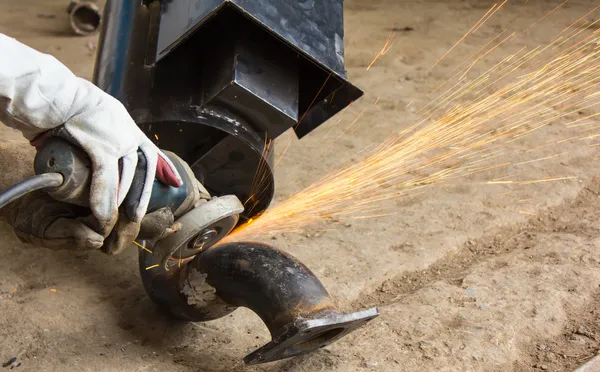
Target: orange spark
(527, 213)
(481, 21)
(547, 180)
(536, 160)
(141, 246)
(548, 14)
(490, 16)
(386, 48)
(350, 126)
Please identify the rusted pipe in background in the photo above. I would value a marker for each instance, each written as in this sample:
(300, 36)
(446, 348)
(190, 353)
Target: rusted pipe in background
(85, 17)
(285, 294)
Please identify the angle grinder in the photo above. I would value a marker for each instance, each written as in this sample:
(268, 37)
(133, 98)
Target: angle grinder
(64, 171)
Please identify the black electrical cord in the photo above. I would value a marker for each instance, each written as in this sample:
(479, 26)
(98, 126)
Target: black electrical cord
(40, 181)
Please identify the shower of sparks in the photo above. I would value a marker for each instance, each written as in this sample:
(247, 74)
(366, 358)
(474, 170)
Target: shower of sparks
(459, 133)
(262, 184)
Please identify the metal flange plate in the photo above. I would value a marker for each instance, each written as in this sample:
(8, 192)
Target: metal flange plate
(310, 335)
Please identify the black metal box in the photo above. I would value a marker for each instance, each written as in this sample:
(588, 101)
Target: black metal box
(291, 75)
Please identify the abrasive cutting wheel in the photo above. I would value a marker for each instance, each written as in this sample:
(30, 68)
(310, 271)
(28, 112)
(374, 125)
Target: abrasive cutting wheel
(200, 229)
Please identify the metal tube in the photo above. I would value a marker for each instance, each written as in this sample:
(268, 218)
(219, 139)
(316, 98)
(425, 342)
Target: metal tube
(270, 282)
(285, 294)
(85, 17)
(176, 289)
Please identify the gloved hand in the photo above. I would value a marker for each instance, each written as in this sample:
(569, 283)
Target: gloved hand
(158, 224)
(41, 97)
(40, 220)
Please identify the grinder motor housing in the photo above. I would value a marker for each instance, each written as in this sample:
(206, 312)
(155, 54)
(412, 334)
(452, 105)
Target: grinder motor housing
(214, 80)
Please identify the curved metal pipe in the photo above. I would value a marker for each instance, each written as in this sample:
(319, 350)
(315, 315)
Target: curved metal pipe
(270, 282)
(284, 293)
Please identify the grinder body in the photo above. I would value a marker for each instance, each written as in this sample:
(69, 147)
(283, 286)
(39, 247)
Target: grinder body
(59, 156)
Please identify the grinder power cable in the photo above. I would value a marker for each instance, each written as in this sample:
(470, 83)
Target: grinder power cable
(33, 183)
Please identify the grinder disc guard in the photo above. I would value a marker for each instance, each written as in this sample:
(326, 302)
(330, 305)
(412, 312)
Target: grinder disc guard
(201, 228)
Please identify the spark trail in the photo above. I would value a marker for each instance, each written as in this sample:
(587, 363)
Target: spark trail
(462, 132)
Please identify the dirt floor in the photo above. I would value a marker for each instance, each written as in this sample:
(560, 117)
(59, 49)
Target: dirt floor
(468, 277)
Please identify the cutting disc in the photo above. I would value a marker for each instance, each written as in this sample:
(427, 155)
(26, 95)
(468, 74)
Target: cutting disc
(201, 228)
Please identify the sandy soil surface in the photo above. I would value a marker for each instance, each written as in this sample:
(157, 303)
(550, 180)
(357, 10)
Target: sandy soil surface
(465, 280)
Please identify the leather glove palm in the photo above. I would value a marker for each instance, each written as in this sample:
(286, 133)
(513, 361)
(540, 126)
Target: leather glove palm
(42, 221)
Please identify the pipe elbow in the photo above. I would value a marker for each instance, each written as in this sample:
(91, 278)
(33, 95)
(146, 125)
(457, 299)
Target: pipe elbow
(291, 301)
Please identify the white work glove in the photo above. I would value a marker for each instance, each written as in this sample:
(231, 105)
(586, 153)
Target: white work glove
(40, 97)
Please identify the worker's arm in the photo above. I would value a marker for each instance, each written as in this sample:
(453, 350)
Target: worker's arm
(41, 97)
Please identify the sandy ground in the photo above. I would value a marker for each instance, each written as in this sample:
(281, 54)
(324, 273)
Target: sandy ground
(464, 280)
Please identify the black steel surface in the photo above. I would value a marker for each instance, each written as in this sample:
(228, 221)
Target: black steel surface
(315, 27)
(264, 66)
(308, 335)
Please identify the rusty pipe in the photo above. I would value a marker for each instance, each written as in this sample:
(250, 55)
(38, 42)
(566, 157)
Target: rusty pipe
(284, 293)
(85, 17)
